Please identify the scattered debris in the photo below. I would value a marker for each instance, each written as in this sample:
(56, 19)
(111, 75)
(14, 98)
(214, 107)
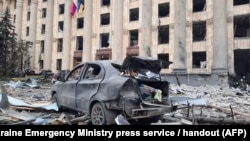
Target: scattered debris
(204, 105)
(38, 97)
(19, 103)
(220, 121)
(80, 119)
(30, 120)
(121, 120)
(4, 102)
(30, 83)
(229, 111)
(187, 100)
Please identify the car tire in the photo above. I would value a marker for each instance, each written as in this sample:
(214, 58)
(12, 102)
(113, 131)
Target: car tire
(101, 116)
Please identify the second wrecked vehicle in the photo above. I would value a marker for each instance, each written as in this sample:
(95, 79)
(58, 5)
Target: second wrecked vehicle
(105, 89)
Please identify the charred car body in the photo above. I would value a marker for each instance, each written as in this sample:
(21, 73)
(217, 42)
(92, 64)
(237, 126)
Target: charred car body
(104, 89)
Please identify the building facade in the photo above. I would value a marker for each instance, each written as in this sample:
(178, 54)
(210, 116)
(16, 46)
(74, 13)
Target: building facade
(198, 36)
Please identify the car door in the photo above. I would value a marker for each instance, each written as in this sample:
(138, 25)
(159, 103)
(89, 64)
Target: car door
(67, 90)
(88, 86)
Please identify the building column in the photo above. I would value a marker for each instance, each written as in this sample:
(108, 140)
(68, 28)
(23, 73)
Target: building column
(180, 53)
(117, 30)
(67, 36)
(209, 35)
(220, 50)
(19, 17)
(87, 45)
(33, 24)
(1, 8)
(146, 28)
(230, 36)
(48, 35)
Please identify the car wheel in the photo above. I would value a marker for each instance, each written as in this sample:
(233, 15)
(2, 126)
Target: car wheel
(98, 115)
(101, 116)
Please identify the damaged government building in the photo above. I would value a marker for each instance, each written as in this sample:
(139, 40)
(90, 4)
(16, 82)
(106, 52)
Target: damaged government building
(207, 40)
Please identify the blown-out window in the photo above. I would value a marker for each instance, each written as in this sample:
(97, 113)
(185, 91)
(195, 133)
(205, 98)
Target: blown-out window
(163, 34)
(199, 60)
(104, 37)
(59, 45)
(163, 10)
(199, 31)
(134, 14)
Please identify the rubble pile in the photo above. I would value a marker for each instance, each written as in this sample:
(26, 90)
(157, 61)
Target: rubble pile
(224, 105)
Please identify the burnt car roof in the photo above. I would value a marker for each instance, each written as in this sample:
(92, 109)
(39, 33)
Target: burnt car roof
(140, 63)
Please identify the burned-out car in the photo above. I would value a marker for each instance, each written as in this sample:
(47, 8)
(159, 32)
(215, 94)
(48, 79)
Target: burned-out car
(105, 89)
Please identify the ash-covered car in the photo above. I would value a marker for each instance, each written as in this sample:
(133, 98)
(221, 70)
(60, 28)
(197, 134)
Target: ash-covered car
(105, 89)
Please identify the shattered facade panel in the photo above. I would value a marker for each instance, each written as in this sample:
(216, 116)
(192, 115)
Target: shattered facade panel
(225, 28)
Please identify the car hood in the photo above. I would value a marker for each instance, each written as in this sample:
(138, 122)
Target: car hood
(143, 64)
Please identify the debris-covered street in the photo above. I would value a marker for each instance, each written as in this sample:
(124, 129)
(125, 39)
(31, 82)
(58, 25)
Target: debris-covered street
(131, 62)
(197, 106)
